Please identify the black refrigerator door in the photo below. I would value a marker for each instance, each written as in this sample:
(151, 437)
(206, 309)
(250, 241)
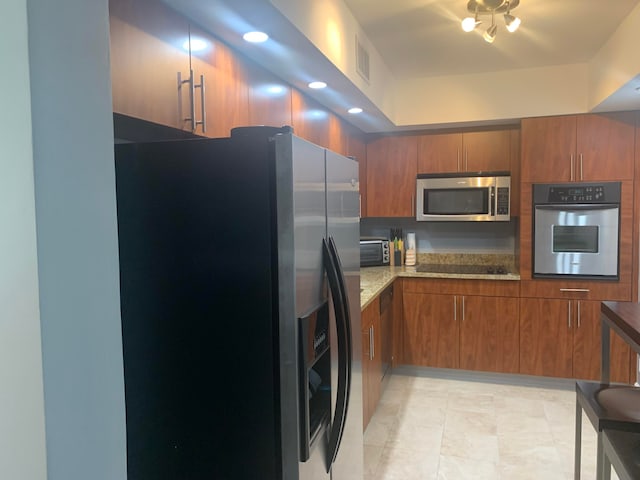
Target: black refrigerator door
(343, 324)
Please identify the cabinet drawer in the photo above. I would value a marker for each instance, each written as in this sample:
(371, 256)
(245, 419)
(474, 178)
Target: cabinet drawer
(489, 288)
(581, 290)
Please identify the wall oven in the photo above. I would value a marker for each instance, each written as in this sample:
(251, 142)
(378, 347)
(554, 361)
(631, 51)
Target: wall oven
(576, 229)
(463, 197)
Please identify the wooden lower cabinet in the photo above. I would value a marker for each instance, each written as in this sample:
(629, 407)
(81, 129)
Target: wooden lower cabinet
(461, 331)
(561, 338)
(371, 360)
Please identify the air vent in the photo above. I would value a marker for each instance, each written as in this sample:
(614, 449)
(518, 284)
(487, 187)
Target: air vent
(362, 60)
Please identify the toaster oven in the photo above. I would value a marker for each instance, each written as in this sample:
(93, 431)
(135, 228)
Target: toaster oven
(374, 251)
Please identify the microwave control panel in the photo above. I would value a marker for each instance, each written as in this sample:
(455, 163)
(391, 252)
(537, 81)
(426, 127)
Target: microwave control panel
(503, 201)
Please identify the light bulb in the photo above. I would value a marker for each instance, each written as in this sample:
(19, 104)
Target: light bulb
(490, 35)
(512, 22)
(469, 24)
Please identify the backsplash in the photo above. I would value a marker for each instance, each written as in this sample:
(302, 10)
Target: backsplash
(449, 237)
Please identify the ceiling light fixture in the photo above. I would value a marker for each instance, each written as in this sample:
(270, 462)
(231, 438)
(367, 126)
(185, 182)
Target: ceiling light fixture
(255, 37)
(355, 110)
(491, 7)
(317, 85)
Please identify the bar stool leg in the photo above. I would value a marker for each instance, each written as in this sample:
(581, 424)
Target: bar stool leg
(578, 441)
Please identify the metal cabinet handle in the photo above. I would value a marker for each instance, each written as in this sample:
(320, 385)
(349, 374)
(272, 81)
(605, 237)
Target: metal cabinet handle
(372, 343)
(466, 160)
(581, 171)
(192, 103)
(571, 165)
(413, 206)
(458, 160)
(455, 308)
(569, 313)
(202, 122)
(578, 302)
(462, 308)
(585, 290)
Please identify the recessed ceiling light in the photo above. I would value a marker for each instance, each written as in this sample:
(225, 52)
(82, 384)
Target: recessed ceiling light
(317, 85)
(198, 44)
(255, 37)
(195, 45)
(355, 110)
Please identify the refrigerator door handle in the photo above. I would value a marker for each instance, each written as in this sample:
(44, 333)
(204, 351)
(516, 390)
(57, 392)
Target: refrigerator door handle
(343, 327)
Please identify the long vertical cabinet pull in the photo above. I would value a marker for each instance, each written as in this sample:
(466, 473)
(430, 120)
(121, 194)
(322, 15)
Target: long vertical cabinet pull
(371, 343)
(203, 112)
(581, 170)
(458, 161)
(192, 102)
(578, 307)
(462, 319)
(571, 175)
(569, 313)
(455, 308)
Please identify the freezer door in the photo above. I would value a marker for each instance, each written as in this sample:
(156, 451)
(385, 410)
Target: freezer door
(301, 219)
(343, 226)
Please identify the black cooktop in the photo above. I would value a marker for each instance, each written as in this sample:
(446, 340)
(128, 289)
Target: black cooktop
(462, 269)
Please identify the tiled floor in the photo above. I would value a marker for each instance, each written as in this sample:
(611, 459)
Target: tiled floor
(427, 428)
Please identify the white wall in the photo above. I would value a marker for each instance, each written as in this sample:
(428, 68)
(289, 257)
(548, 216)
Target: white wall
(77, 239)
(22, 433)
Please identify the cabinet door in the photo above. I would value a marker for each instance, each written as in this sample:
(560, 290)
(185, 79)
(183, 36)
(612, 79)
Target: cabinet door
(430, 333)
(226, 94)
(587, 346)
(486, 151)
(489, 333)
(147, 41)
(605, 146)
(391, 177)
(269, 97)
(548, 149)
(546, 337)
(371, 365)
(440, 153)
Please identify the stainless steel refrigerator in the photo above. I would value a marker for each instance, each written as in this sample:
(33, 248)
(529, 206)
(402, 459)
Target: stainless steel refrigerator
(239, 271)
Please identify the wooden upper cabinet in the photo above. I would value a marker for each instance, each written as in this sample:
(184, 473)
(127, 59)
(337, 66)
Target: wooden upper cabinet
(357, 149)
(391, 176)
(147, 51)
(269, 97)
(439, 153)
(465, 152)
(571, 148)
(226, 93)
(309, 120)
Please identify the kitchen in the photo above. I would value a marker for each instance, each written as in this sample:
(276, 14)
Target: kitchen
(77, 202)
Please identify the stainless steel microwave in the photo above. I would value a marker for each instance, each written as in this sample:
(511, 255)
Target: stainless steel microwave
(464, 197)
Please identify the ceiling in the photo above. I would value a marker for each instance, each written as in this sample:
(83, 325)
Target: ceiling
(424, 37)
(417, 39)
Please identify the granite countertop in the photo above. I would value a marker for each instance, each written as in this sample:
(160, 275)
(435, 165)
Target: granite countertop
(375, 279)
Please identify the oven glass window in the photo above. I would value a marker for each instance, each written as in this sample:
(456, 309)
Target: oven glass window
(575, 239)
(457, 201)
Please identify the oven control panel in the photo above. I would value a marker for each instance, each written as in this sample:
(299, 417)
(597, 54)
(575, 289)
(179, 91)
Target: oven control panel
(570, 193)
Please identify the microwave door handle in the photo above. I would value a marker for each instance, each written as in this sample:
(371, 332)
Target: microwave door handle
(340, 305)
(493, 201)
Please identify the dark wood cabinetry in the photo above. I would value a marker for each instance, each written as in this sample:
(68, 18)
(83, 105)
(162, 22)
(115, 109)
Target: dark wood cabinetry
(572, 148)
(391, 176)
(465, 324)
(371, 359)
(464, 152)
(149, 45)
(561, 338)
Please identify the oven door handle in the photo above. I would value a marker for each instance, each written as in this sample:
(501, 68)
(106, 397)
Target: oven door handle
(578, 206)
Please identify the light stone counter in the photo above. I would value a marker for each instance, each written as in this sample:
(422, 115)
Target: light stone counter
(373, 280)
